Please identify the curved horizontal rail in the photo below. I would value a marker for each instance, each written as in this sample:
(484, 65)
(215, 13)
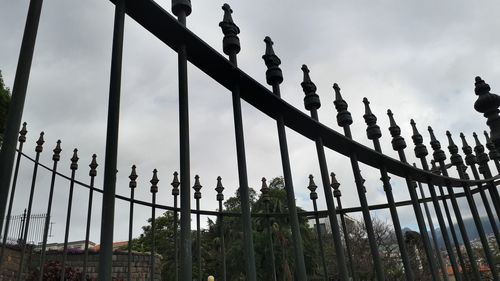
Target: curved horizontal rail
(166, 28)
(321, 213)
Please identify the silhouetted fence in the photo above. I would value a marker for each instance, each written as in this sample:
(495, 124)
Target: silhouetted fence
(432, 177)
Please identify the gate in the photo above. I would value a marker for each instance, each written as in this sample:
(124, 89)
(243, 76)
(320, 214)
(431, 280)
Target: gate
(434, 176)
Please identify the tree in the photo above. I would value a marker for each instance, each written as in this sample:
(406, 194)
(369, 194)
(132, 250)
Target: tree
(4, 106)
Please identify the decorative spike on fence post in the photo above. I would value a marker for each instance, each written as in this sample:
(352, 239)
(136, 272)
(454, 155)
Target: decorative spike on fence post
(154, 182)
(133, 176)
(312, 187)
(493, 152)
(274, 75)
(335, 185)
(418, 140)
(39, 143)
(470, 159)
(482, 157)
(373, 130)
(74, 160)
(197, 187)
(398, 142)
(455, 158)
(438, 153)
(344, 117)
(264, 190)
(219, 188)
(488, 103)
(22, 133)
(231, 42)
(175, 184)
(311, 100)
(179, 6)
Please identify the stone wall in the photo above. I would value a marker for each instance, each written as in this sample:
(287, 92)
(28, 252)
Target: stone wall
(140, 269)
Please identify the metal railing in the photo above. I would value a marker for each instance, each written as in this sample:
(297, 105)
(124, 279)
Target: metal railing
(443, 189)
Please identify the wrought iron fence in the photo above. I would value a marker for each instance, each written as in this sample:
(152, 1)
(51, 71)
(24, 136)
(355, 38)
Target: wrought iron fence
(443, 189)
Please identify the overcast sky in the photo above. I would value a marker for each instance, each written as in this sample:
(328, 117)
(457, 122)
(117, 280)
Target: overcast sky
(417, 58)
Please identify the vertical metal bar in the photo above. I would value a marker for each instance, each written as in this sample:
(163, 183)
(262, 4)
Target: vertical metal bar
(484, 168)
(439, 157)
(92, 173)
(22, 140)
(197, 196)
(175, 192)
(27, 215)
(265, 197)
(374, 133)
(337, 194)
(312, 103)
(421, 153)
(220, 197)
(15, 112)
(442, 264)
(182, 8)
(344, 120)
(132, 185)
(493, 153)
(56, 157)
(313, 195)
(154, 189)
(274, 77)
(110, 166)
(73, 167)
(457, 161)
(231, 47)
(471, 160)
(399, 144)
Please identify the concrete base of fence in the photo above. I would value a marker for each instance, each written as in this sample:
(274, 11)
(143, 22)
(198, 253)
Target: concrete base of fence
(74, 262)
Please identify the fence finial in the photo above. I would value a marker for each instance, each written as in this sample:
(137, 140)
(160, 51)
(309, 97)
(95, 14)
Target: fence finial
(482, 157)
(312, 187)
(493, 153)
(488, 104)
(455, 158)
(93, 166)
(74, 160)
(175, 184)
(470, 159)
(438, 153)
(344, 117)
(274, 75)
(264, 190)
(231, 42)
(398, 142)
(335, 185)
(154, 182)
(373, 130)
(418, 140)
(219, 188)
(311, 100)
(197, 187)
(22, 133)
(181, 5)
(133, 176)
(39, 143)
(57, 151)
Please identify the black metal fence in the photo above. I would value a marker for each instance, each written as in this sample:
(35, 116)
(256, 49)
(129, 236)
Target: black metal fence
(432, 176)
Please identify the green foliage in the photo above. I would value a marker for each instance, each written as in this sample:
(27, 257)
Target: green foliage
(4, 105)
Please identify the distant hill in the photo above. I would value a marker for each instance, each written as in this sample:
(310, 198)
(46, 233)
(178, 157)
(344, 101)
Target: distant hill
(470, 228)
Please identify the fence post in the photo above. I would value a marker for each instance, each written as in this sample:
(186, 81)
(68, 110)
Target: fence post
(15, 113)
(175, 192)
(154, 189)
(274, 77)
(132, 185)
(421, 153)
(312, 103)
(26, 223)
(220, 197)
(488, 103)
(110, 162)
(197, 196)
(314, 196)
(22, 140)
(344, 120)
(373, 132)
(55, 158)
(231, 47)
